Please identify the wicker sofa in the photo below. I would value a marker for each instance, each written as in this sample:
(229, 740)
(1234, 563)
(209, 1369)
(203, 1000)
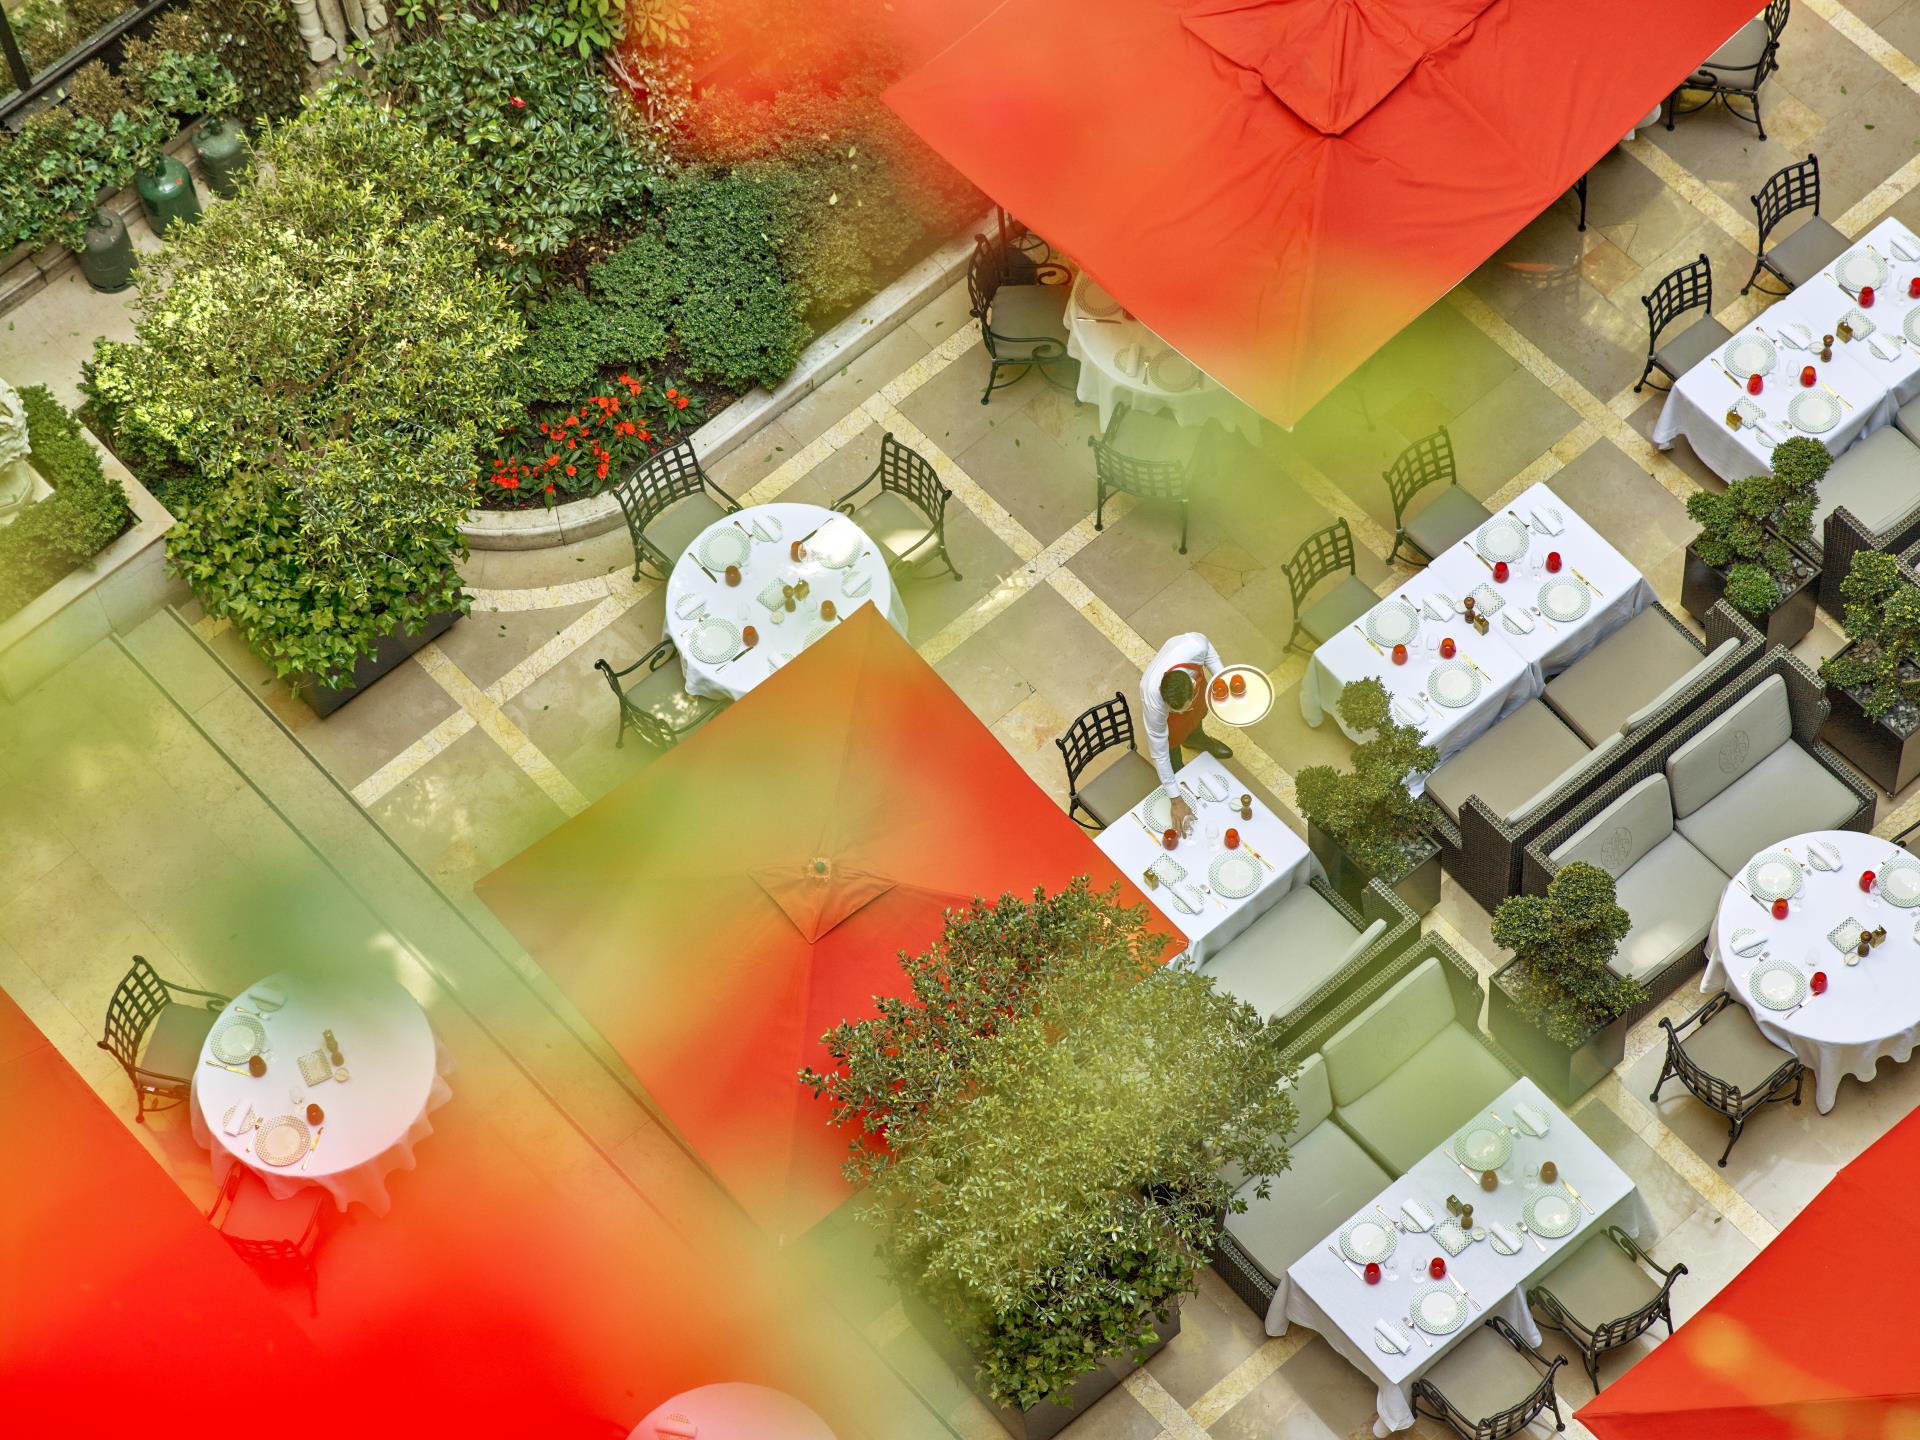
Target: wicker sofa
(1311, 950)
(1492, 799)
(1746, 770)
(1385, 1076)
(1869, 500)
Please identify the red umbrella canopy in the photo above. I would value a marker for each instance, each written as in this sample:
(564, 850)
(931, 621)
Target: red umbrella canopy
(1277, 187)
(720, 911)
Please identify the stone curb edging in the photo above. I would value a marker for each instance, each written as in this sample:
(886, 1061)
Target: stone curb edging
(577, 520)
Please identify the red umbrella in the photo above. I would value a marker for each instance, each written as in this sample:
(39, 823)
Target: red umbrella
(1277, 187)
(719, 912)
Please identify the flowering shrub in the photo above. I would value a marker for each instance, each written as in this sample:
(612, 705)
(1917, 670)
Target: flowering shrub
(598, 441)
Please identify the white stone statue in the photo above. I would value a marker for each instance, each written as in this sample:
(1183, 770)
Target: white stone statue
(13, 426)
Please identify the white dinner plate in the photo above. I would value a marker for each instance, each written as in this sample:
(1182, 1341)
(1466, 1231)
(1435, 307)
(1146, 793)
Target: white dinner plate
(1777, 985)
(1363, 1241)
(1438, 1308)
(1860, 267)
(1454, 684)
(1234, 874)
(725, 544)
(1551, 1213)
(1564, 599)
(238, 1040)
(1774, 875)
(282, 1140)
(714, 640)
(1749, 354)
(1814, 411)
(1502, 538)
(1393, 622)
(1900, 882)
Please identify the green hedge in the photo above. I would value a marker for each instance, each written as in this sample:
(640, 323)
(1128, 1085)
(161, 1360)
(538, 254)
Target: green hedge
(85, 512)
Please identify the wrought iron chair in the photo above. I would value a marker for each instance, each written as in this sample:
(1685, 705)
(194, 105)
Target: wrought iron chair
(657, 705)
(1808, 250)
(667, 502)
(1322, 554)
(276, 1237)
(156, 1038)
(1738, 69)
(1124, 783)
(1026, 251)
(1688, 288)
(1022, 322)
(1600, 1298)
(1448, 517)
(1490, 1385)
(1730, 1067)
(910, 511)
(1146, 456)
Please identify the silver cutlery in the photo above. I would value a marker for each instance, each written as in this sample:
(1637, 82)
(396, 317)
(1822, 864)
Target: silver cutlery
(1531, 1236)
(1576, 1195)
(1463, 1291)
(1386, 1217)
(1346, 1262)
(1458, 1161)
(1411, 1325)
(1534, 610)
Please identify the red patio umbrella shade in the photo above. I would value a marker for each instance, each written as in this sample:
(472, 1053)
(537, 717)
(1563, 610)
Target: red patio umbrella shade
(716, 914)
(1277, 187)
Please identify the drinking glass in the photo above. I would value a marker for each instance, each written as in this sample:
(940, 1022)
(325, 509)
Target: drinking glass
(1392, 1270)
(1433, 642)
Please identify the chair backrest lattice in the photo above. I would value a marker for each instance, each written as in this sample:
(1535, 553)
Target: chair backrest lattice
(1427, 461)
(1098, 729)
(1792, 187)
(136, 1002)
(1323, 553)
(1688, 288)
(907, 473)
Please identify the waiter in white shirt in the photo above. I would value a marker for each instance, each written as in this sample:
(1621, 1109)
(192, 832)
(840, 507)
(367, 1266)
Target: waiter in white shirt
(1173, 703)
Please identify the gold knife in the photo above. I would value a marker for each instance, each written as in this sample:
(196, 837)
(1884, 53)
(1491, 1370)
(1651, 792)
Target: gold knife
(1369, 639)
(323, 1130)
(1583, 579)
(1256, 854)
(1477, 555)
(1836, 394)
(1576, 1195)
(1728, 373)
(1462, 655)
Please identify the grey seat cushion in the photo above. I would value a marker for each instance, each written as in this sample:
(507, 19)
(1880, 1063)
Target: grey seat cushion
(1368, 1048)
(1710, 668)
(1119, 787)
(1785, 794)
(1445, 520)
(1808, 251)
(174, 1041)
(1730, 1047)
(1735, 62)
(1878, 479)
(1508, 765)
(1432, 1094)
(1576, 780)
(1619, 835)
(1599, 1283)
(1671, 894)
(662, 694)
(1337, 608)
(680, 524)
(1025, 318)
(1285, 955)
(896, 525)
(1329, 1179)
(1680, 350)
(1484, 1375)
(1749, 730)
(1622, 673)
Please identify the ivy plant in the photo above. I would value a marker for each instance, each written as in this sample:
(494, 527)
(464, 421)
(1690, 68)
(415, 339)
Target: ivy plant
(1752, 526)
(1368, 810)
(86, 511)
(1041, 1126)
(1882, 621)
(1563, 941)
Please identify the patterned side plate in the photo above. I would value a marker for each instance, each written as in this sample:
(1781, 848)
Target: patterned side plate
(282, 1140)
(1393, 622)
(1438, 1308)
(1777, 985)
(1900, 881)
(1502, 538)
(1550, 1213)
(1910, 325)
(1564, 599)
(1453, 683)
(1482, 1147)
(771, 595)
(1749, 354)
(1450, 1237)
(725, 544)
(1173, 372)
(714, 640)
(239, 1039)
(1363, 1240)
(1860, 267)
(766, 525)
(1814, 411)
(1845, 937)
(1858, 322)
(1774, 875)
(1234, 874)
(1487, 601)
(1158, 810)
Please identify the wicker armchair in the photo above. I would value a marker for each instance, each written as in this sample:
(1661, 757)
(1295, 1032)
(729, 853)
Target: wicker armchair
(1732, 1068)
(1490, 1385)
(1600, 1298)
(156, 1038)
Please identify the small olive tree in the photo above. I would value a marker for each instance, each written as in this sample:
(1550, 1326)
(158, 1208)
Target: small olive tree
(1368, 810)
(1750, 528)
(1563, 941)
(1882, 622)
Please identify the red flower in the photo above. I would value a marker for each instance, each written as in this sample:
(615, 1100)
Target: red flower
(518, 103)
(573, 420)
(549, 487)
(601, 470)
(507, 482)
(572, 443)
(672, 393)
(681, 403)
(569, 469)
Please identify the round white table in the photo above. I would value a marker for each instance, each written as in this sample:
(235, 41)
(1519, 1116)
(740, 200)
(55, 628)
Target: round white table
(374, 1106)
(1871, 1008)
(1122, 362)
(705, 615)
(732, 1412)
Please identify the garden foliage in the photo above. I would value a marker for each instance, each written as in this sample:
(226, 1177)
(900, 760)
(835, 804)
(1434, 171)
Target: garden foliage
(1750, 529)
(1367, 811)
(1881, 664)
(86, 511)
(1563, 941)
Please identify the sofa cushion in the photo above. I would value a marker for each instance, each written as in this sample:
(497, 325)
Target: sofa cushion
(1588, 766)
(1878, 479)
(1716, 659)
(1365, 1050)
(1338, 608)
(1508, 764)
(1743, 735)
(1672, 895)
(1618, 676)
(1787, 793)
(1445, 520)
(1285, 955)
(1619, 835)
(1329, 1178)
(1119, 787)
(1441, 1087)
(1312, 1104)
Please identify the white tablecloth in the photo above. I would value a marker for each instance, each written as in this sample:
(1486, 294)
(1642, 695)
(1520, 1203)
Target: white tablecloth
(1098, 343)
(1514, 667)
(1321, 1292)
(694, 591)
(1697, 406)
(1871, 1009)
(1289, 863)
(396, 1078)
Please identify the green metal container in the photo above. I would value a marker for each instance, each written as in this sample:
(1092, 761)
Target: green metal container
(106, 256)
(167, 194)
(224, 157)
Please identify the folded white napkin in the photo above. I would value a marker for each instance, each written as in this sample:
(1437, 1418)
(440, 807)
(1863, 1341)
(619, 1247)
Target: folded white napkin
(1518, 621)
(1417, 1214)
(239, 1119)
(1180, 896)
(1531, 1119)
(1548, 522)
(1746, 942)
(267, 996)
(1900, 248)
(1503, 1239)
(1398, 1342)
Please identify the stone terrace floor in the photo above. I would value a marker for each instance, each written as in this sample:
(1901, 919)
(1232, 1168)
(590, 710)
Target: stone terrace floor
(502, 729)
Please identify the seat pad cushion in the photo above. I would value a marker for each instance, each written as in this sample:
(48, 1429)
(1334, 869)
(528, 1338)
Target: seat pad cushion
(1597, 693)
(895, 524)
(1028, 318)
(1436, 1091)
(1159, 439)
(1483, 1375)
(1680, 350)
(1445, 520)
(1730, 1047)
(680, 524)
(1672, 894)
(1329, 1179)
(1785, 794)
(1736, 62)
(1285, 955)
(1338, 608)
(1509, 764)
(1119, 787)
(1600, 1283)
(175, 1040)
(662, 694)
(1808, 251)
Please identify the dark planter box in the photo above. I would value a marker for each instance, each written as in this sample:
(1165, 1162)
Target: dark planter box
(1786, 624)
(393, 649)
(1566, 1072)
(1419, 886)
(1883, 756)
(1045, 1420)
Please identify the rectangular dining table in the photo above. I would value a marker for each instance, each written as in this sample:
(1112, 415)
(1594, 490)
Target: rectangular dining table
(1324, 1293)
(1284, 859)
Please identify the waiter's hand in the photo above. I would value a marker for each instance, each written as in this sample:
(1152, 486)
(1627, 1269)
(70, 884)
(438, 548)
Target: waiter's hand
(1182, 816)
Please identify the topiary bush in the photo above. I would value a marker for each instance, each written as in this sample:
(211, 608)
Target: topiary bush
(1563, 941)
(1882, 622)
(1753, 525)
(1368, 810)
(85, 513)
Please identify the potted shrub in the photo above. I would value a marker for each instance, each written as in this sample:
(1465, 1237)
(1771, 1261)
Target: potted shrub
(192, 85)
(1364, 823)
(1873, 681)
(60, 171)
(1754, 544)
(1557, 1006)
(1041, 1132)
